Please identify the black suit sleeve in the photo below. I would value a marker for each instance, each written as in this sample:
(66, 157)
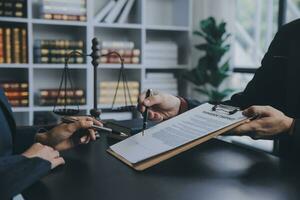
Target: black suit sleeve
(18, 172)
(295, 138)
(25, 137)
(268, 84)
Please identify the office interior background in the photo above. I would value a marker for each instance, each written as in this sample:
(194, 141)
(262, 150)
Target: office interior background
(159, 42)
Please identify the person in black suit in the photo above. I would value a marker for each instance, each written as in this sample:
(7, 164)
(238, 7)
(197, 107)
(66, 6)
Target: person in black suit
(26, 155)
(273, 94)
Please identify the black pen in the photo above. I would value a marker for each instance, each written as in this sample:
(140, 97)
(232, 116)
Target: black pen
(98, 128)
(145, 114)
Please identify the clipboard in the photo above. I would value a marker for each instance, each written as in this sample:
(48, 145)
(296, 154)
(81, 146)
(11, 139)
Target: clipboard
(145, 164)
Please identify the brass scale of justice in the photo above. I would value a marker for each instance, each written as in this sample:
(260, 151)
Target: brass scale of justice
(66, 84)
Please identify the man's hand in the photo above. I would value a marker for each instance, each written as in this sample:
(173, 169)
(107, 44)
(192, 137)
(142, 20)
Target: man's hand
(46, 153)
(60, 137)
(269, 122)
(161, 106)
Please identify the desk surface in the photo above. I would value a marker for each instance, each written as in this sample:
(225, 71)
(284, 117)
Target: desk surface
(215, 170)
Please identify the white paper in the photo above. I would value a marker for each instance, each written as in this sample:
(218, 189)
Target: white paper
(175, 132)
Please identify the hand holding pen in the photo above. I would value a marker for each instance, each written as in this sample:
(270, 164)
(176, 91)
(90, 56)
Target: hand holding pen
(149, 93)
(63, 136)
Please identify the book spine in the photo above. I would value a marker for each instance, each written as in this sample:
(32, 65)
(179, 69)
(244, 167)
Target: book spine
(65, 9)
(8, 45)
(13, 8)
(11, 86)
(113, 84)
(58, 60)
(64, 17)
(113, 59)
(59, 44)
(54, 52)
(104, 11)
(16, 45)
(61, 101)
(123, 52)
(124, 15)
(115, 12)
(8, 9)
(16, 93)
(53, 93)
(1, 46)
(110, 92)
(24, 45)
(117, 45)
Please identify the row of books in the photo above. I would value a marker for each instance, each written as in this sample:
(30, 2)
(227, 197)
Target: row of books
(115, 11)
(70, 10)
(161, 53)
(55, 51)
(13, 8)
(13, 45)
(16, 93)
(162, 82)
(48, 97)
(108, 89)
(126, 49)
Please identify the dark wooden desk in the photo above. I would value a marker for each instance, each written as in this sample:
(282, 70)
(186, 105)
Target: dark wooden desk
(215, 170)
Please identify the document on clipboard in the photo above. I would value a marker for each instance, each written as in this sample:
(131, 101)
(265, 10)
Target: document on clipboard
(177, 135)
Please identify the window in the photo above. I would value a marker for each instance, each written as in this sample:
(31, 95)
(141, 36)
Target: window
(255, 27)
(292, 10)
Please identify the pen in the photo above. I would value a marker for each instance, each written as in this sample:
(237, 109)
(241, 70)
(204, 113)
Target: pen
(145, 114)
(98, 128)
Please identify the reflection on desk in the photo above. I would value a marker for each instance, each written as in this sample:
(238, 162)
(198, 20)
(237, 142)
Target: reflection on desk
(214, 170)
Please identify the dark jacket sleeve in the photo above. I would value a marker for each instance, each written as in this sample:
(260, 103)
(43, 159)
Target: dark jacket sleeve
(268, 84)
(25, 137)
(295, 138)
(18, 172)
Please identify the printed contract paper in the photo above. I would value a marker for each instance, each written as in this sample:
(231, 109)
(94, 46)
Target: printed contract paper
(175, 132)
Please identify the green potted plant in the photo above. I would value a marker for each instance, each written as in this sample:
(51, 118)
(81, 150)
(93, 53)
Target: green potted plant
(211, 70)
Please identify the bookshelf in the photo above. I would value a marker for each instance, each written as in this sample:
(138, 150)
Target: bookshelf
(148, 20)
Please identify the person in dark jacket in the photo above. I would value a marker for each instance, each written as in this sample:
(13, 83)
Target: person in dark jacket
(26, 155)
(273, 93)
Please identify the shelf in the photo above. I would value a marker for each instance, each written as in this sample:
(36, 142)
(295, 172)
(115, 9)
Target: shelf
(20, 109)
(12, 65)
(167, 28)
(117, 25)
(14, 19)
(149, 20)
(59, 66)
(166, 67)
(108, 106)
(58, 22)
(50, 108)
(118, 66)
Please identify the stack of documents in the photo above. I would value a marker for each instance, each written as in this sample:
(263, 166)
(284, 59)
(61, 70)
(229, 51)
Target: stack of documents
(163, 53)
(162, 82)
